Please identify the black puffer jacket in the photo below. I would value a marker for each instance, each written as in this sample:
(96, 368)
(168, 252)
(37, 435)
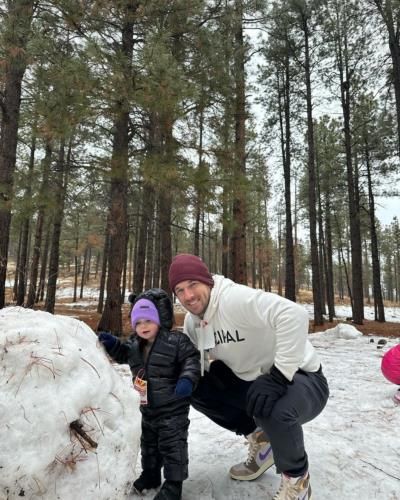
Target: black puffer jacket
(172, 356)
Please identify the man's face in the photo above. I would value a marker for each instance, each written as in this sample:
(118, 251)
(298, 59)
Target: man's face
(194, 296)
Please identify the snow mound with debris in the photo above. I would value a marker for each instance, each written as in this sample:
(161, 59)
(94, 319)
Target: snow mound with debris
(69, 422)
(343, 331)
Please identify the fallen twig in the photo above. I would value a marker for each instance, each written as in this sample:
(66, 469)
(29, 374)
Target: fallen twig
(378, 468)
(77, 427)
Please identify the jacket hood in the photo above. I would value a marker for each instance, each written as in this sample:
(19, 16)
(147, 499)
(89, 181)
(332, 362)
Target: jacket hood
(220, 284)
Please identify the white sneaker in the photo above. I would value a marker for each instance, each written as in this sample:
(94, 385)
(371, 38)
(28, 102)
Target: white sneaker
(260, 458)
(294, 488)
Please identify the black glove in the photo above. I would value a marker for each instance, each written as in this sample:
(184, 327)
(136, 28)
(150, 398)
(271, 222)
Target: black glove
(107, 340)
(264, 392)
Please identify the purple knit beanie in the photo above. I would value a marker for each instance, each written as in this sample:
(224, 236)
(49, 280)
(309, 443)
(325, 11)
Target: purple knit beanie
(144, 309)
(188, 267)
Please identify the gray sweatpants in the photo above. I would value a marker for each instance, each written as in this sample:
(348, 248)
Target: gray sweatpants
(304, 400)
(221, 395)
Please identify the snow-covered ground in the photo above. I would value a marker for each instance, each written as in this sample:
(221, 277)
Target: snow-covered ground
(353, 445)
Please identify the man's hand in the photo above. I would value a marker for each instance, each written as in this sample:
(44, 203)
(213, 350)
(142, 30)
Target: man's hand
(264, 392)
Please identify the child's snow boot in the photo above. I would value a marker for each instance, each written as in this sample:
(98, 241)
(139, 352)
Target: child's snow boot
(170, 490)
(149, 478)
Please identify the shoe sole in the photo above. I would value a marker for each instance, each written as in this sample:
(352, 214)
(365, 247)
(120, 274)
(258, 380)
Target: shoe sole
(255, 475)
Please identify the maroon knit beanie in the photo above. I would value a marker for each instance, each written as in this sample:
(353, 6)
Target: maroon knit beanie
(188, 267)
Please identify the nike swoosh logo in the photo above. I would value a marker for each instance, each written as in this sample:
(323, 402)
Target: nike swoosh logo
(263, 456)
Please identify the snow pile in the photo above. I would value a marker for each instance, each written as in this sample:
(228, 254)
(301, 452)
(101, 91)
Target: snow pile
(343, 331)
(69, 423)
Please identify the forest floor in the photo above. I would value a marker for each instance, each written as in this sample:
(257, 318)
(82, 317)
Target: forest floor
(86, 311)
(92, 318)
(89, 315)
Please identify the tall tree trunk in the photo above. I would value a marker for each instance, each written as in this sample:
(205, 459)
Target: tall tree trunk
(104, 266)
(366, 273)
(16, 31)
(16, 274)
(23, 261)
(225, 232)
(352, 188)
(199, 186)
(290, 280)
(341, 256)
(111, 319)
(330, 292)
(376, 269)
(157, 246)
(315, 264)
(279, 276)
(150, 243)
(60, 185)
(130, 260)
(321, 236)
(43, 264)
(76, 261)
(253, 259)
(239, 209)
(37, 242)
(147, 213)
(165, 237)
(83, 273)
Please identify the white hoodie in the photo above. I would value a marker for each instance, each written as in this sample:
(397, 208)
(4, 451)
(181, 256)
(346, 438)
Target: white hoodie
(250, 330)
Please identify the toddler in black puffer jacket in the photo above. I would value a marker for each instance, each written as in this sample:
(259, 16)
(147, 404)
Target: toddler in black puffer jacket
(166, 368)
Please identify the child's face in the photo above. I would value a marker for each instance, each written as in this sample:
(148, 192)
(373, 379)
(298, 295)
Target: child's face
(147, 329)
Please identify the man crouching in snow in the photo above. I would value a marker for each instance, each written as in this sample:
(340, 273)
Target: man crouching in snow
(265, 379)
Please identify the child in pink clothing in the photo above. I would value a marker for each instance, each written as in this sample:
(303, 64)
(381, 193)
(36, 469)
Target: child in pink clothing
(390, 367)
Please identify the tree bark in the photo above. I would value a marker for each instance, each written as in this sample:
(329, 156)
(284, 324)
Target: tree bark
(43, 264)
(60, 186)
(111, 319)
(16, 34)
(376, 269)
(330, 292)
(315, 264)
(199, 187)
(239, 209)
(143, 243)
(157, 247)
(103, 276)
(352, 187)
(23, 260)
(290, 280)
(150, 243)
(37, 242)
